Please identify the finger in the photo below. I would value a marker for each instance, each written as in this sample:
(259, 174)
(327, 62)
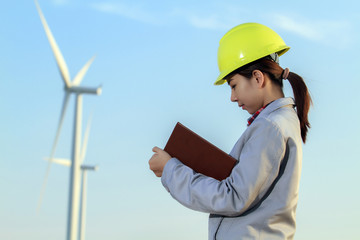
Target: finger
(152, 163)
(156, 149)
(152, 157)
(158, 173)
(153, 167)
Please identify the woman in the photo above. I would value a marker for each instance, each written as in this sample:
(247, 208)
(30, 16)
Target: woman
(258, 200)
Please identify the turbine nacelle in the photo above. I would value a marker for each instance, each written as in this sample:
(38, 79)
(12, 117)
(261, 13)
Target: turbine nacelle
(67, 163)
(88, 167)
(84, 90)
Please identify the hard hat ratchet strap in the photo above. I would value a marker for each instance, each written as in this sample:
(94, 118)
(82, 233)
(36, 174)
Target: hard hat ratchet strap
(274, 57)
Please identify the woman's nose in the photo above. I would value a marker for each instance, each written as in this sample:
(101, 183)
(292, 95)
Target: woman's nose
(232, 97)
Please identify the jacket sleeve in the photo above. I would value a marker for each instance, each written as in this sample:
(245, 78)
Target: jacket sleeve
(262, 149)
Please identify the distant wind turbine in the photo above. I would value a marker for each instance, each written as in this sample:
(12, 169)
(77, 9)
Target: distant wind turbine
(70, 87)
(84, 169)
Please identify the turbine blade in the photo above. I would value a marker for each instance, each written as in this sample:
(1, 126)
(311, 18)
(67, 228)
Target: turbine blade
(85, 142)
(80, 75)
(64, 71)
(60, 161)
(61, 120)
(62, 116)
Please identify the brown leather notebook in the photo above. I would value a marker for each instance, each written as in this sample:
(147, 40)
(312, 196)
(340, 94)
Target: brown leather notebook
(198, 154)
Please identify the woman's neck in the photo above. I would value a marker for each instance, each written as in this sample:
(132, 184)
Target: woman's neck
(272, 94)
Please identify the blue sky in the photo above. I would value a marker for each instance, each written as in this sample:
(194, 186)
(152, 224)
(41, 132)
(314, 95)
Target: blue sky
(156, 61)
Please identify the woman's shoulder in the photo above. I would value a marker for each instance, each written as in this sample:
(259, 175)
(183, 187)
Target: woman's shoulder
(284, 119)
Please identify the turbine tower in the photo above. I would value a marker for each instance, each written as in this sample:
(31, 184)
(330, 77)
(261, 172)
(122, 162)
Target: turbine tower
(78, 91)
(84, 169)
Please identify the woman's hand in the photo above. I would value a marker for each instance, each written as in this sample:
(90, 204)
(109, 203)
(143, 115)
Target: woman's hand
(158, 161)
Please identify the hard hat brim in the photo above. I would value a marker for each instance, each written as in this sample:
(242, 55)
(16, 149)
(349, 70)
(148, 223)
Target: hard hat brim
(221, 78)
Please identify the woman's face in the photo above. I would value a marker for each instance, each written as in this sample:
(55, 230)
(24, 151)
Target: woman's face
(245, 92)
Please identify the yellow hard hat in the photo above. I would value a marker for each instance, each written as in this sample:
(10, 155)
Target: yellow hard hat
(244, 44)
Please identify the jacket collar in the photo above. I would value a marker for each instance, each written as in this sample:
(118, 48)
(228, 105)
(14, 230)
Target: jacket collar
(278, 103)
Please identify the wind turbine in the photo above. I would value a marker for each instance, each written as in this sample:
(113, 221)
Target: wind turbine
(84, 169)
(70, 87)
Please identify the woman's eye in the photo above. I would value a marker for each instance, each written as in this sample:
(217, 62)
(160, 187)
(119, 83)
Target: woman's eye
(233, 87)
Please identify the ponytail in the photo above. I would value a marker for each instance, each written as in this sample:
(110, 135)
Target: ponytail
(302, 102)
(275, 73)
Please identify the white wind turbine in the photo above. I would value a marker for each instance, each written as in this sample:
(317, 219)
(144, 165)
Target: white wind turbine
(70, 87)
(84, 169)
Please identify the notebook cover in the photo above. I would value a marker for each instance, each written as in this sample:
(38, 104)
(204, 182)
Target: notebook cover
(199, 154)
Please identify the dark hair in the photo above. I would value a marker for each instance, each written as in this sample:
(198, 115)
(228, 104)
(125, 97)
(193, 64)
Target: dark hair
(274, 71)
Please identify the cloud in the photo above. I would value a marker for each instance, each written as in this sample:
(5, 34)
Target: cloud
(303, 29)
(217, 16)
(212, 22)
(134, 12)
(335, 33)
(201, 20)
(221, 20)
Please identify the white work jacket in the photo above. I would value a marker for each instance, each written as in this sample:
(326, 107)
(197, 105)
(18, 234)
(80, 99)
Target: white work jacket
(273, 137)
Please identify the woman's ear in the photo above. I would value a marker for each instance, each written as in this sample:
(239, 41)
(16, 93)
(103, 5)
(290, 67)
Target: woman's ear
(259, 78)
